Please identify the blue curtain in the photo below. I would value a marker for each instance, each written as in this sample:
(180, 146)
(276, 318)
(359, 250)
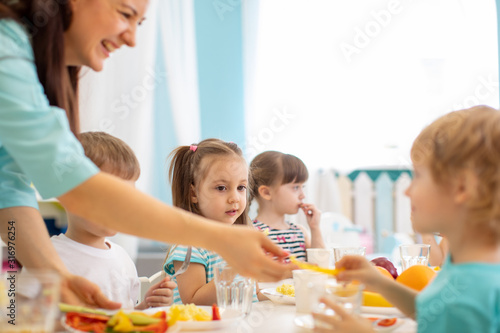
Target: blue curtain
(219, 52)
(220, 69)
(165, 139)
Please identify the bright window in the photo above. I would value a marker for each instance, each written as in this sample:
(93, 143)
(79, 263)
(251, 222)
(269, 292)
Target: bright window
(349, 84)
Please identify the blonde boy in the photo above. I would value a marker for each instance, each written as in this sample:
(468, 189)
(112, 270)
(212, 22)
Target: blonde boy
(84, 248)
(455, 191)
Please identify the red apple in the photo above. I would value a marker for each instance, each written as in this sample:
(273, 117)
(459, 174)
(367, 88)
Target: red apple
(387, 264)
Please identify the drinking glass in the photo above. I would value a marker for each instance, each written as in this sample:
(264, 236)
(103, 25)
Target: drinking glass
(233, 290)
(414, 254)
(348, 296)
(28, 301)
(320, 257)
(339, 252)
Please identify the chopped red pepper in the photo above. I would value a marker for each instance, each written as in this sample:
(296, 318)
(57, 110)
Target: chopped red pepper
(87, 322)
(86, 317)
(387, 322)
(215, 312)
(160, 327)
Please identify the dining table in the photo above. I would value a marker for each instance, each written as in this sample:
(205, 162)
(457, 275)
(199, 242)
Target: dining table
(270, 317)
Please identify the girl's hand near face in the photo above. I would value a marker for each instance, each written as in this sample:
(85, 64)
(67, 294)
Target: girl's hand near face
(313, 215)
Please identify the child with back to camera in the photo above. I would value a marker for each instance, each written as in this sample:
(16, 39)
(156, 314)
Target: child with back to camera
(84, 248)
(278, 187)
(209, 179)
(455, 192)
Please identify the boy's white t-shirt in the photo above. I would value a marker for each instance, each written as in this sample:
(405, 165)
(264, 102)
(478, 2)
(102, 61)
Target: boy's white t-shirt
(112, 269)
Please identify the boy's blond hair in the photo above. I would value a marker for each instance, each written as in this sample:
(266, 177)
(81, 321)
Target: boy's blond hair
(111, 154)
(467, 140)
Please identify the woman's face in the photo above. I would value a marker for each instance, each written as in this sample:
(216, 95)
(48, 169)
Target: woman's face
(99, 27)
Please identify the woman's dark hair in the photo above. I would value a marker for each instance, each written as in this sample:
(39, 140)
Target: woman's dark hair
(46, 21)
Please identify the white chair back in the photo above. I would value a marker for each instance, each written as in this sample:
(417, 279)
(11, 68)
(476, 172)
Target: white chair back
(339, 231)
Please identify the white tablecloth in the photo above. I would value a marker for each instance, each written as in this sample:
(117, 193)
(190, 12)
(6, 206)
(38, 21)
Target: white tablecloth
(267, 317)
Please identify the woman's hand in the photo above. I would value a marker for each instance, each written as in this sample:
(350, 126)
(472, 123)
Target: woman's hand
(313, 215)
(360, 269)
(77, 290)
(159, 294)
(341, 321)
(252, 254)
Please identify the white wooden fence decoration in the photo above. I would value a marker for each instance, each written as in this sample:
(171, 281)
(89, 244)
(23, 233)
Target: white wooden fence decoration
(363, 202)
(380, 207)
(346, 196)
(402, 205)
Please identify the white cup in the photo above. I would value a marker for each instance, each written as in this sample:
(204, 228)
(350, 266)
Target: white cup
(309, 286)
(320, 257)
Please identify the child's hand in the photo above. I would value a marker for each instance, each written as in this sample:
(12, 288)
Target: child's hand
(360, 269)
(313, 215)
(342, 321)
(160, 294)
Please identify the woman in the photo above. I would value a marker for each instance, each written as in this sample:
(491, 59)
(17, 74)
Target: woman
(43, 43)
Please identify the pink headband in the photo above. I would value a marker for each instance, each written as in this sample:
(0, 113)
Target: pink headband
(193, 147)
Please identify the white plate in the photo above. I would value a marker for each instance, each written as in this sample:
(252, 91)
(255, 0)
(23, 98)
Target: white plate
(307, 322)
(173, 329)
(381, 310)
(278, 298)
(229, 318)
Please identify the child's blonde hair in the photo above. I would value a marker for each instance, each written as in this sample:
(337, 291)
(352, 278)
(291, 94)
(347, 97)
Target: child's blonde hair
(275, 168)
(186, 169)
(111, 153)
(467, 140)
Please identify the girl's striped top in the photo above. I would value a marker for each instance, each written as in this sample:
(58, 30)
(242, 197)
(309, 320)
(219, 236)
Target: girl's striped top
(291, 239)
(200, 256)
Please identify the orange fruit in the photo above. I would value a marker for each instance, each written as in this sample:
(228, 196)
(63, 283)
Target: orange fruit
(416, 277)
(384, 272)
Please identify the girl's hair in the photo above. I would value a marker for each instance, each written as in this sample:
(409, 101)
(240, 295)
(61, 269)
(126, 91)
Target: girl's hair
(46, 21)
(186, 169)
(111, 153)
(466, 140)
(275, 168)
